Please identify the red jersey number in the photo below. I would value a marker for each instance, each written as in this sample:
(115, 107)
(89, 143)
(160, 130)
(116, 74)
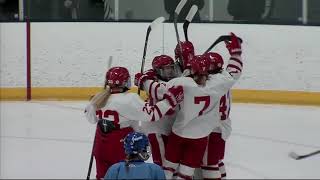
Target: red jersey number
(147, 108)
(224, 106)
(205, 99)
(107, 113)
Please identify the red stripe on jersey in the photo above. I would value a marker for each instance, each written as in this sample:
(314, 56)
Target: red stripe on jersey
(156, 92)
(234, 66)
(210, 168)
(150, 88)
(158, 111)
(168, 169)
(184, 176)
(237, 60)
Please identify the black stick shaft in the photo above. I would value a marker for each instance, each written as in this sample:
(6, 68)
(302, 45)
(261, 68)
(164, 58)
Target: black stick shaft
(91, 158)
(185, 29)
(144, 54)
(220, 39)
(308, 155)
(90, 166)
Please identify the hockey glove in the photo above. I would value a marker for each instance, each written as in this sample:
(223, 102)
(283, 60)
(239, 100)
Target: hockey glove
(106, 126)
(140, 78)
(174, 95)
(234, 47)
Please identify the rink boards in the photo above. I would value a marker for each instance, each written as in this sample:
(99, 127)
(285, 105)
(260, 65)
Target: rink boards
(239, 95)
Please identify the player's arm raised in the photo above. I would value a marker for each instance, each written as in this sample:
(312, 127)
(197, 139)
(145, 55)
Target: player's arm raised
(147, 81)
(235, 64)
(143, 111)
(218, 84)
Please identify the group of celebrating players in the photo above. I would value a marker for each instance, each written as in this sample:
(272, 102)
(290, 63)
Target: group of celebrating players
(186, 115)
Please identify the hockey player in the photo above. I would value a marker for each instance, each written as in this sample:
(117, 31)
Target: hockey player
(216, 144)
(136, 147)
(199, 111)
(122, 109)
(213, 166)
(165, 69)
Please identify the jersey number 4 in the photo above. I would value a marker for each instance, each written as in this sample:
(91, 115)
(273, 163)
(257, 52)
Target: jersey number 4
(224, 108)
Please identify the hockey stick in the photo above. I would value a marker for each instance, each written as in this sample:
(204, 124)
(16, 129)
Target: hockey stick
(154, 23)
(188, 20)
(99, 104)
(220, 39)
(108, 67)
(91, 159)
(175, 20)
(298, 157)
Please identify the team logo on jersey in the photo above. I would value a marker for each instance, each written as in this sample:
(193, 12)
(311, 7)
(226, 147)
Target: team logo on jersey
(132, 165)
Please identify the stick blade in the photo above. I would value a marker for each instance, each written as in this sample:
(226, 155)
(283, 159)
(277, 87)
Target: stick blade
(294, 155)
(156, 22)
(180, 6)
(220, 39)
(192, 12)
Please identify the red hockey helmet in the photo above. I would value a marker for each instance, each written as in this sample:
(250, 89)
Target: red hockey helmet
(200, 65)
(216, 62)
(161, 61)
(187, 54)
(164, 67)
(118, 77)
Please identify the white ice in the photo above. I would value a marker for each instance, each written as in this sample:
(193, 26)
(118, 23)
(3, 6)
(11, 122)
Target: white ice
(42, 140)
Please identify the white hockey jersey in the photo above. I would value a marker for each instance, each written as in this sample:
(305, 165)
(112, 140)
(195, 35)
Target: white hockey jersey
(225, 127)
(127, 108)
(156, 91)
(199, 112)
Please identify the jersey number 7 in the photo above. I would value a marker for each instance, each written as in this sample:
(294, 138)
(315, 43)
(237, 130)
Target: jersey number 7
(205, 99)
(224, 108)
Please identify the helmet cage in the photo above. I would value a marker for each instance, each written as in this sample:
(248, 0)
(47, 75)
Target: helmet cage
(168, 72)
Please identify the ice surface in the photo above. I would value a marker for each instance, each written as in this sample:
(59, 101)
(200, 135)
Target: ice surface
(52, 139)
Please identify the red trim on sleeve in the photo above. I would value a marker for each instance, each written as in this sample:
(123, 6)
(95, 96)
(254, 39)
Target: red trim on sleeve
(156, 92)
(158, 111)
(234, 66)
(150, 88)
(237, 60)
